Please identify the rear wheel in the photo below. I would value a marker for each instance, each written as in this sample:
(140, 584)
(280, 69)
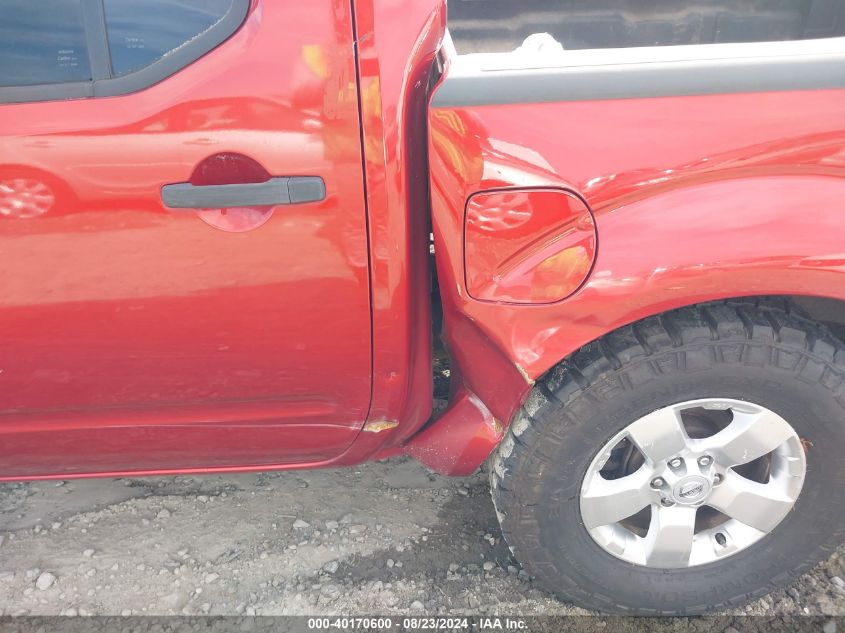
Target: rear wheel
(685, 463)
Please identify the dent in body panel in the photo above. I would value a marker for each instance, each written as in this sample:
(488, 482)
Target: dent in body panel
(695, 198)
(527, 246)
(460, 440)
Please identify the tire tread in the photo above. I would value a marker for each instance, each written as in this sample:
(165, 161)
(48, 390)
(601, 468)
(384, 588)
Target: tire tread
(768, 331)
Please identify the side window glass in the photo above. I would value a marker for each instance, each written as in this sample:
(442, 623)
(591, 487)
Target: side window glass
(42, 42)
(76, 49)
(141, 33)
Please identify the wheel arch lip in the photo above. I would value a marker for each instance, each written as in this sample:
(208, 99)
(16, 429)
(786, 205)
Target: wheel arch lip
(676, 248)
(661, 253)
(458, 444)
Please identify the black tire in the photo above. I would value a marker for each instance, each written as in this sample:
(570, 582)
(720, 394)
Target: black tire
(757, 350)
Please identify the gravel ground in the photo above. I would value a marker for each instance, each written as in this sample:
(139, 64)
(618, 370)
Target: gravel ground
(386, 538)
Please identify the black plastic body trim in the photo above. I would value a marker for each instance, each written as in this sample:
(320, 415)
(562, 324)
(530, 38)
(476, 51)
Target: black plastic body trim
(280, 190)
(103, 84)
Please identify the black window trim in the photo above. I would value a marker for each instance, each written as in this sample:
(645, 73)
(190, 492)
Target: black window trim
(103, 84)
(96, 37)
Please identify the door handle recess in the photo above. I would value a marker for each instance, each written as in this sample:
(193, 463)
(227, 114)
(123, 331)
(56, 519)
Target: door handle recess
(280, 190)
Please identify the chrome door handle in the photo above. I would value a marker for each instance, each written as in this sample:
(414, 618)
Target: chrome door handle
(279, 190)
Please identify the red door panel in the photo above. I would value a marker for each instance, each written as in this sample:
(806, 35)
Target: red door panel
(138, 337)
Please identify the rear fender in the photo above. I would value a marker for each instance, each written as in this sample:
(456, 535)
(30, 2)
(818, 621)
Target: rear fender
(693, 201)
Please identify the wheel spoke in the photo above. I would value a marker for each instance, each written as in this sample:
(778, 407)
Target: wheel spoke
(609, 501)
(659, 435)
(677, 474)
(761, 506)
(748, 437)
(668, 542)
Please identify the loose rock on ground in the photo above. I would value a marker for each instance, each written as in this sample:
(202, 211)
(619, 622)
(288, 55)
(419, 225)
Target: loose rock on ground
(383, 538)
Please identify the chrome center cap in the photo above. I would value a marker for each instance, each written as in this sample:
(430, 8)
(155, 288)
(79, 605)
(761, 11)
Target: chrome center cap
(691, 490)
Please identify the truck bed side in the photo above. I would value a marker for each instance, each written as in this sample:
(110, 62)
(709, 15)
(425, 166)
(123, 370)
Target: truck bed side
(711, 172)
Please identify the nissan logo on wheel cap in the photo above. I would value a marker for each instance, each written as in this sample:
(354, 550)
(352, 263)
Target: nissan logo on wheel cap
(691, 490)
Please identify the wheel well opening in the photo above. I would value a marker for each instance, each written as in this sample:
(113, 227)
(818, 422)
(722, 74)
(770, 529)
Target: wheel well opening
(828, 312)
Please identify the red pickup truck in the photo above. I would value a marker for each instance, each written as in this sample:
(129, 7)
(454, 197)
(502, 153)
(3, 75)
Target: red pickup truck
(239, 235)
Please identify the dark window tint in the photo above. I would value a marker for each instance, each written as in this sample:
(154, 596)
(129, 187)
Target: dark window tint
(143, 31)
(42, 42)
(500, 25)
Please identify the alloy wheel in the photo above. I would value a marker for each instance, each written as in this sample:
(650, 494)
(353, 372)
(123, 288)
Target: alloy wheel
(692, 483)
